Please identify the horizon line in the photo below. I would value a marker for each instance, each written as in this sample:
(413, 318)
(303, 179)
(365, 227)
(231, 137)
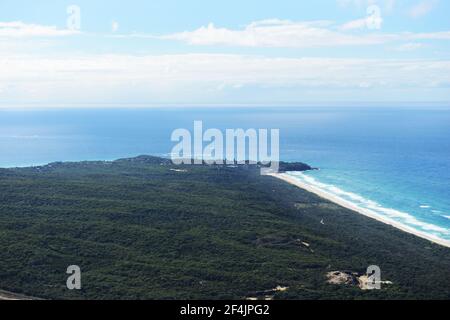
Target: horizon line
(343, 104)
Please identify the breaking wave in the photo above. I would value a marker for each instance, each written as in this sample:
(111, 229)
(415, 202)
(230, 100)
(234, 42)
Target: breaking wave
(359, 201)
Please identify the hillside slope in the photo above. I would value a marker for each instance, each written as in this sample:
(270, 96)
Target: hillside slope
(143, 229)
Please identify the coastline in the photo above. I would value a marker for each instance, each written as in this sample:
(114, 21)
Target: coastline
(366, 212)
(145, 194)
(6, 295)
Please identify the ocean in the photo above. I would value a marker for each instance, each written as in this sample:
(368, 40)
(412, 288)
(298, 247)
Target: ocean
(394, 161)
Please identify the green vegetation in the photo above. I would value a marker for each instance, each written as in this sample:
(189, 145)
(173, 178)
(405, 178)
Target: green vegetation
(141, 230)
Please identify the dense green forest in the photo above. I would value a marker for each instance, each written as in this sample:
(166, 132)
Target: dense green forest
(142, 228)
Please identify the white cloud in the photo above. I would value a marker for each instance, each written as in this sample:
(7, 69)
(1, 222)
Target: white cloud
(281, 33)
(265, 33)
(19, 29)
(206, 77)
(411, 46)
(444, 35)
(422, 8)
(355, 24)
(372, 22)
(274, 33)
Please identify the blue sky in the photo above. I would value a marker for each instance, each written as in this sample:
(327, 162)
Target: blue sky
(151, 53)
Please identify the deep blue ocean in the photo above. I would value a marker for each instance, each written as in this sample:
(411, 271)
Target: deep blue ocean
(393, 161)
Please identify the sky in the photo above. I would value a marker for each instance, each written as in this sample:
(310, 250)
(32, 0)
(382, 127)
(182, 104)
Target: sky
(229, 53)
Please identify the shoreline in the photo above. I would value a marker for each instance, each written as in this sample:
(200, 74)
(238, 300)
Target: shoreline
(366, 212)
(11, 296)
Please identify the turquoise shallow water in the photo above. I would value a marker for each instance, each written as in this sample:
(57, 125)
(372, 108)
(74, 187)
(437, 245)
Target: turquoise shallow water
(396, 160)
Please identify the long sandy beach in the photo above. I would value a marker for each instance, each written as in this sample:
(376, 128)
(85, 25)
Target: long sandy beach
(363, 211)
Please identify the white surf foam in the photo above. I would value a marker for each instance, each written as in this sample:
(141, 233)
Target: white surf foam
(364, 203)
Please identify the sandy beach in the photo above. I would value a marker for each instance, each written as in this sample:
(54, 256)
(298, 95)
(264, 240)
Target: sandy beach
(363, 211)
(6, 295)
